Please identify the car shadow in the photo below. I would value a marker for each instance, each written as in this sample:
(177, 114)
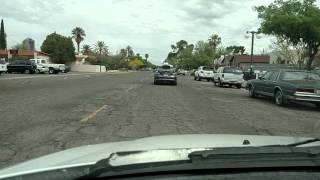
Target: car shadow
(297, 106)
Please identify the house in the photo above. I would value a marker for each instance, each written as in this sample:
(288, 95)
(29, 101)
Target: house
(26, 54)
(244, 61)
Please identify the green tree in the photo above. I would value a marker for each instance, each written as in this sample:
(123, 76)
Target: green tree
(86, 49)
(19, 46)
(78, 35)
(101, 48)
(236, 49)
(60, 48)
(295, 20)
(135, 64)
(3, 41)
(130, 51)
(214, 41)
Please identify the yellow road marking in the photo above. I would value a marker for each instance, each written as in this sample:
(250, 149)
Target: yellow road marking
(87, 118)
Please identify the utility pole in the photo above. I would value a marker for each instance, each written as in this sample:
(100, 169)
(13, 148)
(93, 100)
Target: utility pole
(252, 43)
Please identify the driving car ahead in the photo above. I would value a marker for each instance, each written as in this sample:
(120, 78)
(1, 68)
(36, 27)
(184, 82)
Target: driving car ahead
(228, 76)
(203, 72)
(165, 74)
(287, 85)
(201, 156)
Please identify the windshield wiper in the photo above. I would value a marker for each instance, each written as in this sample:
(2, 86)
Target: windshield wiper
(296, 144)
(218, 158)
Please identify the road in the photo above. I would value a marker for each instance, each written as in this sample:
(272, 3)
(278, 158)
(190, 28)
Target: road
(45, 114)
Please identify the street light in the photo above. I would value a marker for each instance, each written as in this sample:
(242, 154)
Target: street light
(252, 42)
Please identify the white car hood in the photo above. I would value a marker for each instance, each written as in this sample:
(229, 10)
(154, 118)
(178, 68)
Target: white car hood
(90, 154)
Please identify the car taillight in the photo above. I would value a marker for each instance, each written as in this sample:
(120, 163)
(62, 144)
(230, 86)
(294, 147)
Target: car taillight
(305, 90)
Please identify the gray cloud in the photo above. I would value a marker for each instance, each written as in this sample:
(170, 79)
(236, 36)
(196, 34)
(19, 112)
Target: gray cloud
(30, 11)
(207, 12)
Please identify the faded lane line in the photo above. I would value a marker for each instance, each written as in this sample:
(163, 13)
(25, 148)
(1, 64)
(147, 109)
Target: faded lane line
(87, 118)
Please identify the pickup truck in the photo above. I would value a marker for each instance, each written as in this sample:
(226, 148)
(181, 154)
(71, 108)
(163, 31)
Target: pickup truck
(53, 68)
(228, 76)
(22, 66)
(203, 72)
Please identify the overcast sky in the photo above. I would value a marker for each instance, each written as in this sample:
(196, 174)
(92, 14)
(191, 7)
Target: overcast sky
(149, 26)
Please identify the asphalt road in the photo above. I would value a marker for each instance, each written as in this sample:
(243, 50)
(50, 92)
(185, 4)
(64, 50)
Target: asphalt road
(41, 114)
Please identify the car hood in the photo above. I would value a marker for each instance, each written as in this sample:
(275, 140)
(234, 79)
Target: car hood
(305, 83)
(90, 154)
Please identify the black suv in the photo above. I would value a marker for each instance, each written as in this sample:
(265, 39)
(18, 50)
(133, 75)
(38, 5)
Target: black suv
(22, 66)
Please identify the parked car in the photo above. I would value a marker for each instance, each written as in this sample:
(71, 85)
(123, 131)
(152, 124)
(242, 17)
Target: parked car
(22, 66)
(228, 76)
(42, 69)
(3, 66)
(182, 72)
(53, 68)
(67, 69)
(203, 72)
(165, 73)
(287, 85)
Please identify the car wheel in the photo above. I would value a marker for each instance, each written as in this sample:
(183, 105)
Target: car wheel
(317, 105)
(279, 98)
(51, 71)
(251, 92)
(195, 78)
(198, 78)
(220, 83)
(239, 86)
(27, 71)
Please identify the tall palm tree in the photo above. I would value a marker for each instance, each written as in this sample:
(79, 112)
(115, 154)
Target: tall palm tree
(146, 56)
(130, 52)
(86, 49)
(78, 35)
(101, 47)
(214, 41)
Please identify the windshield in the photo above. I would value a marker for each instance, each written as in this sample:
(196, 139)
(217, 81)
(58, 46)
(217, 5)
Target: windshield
(110, 76)
(207, 69)
(300, 76)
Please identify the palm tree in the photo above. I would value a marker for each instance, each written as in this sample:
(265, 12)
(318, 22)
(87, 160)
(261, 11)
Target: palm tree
(146, 56)
(100, 47)
(130, 52)
(78, 35)
(214, 41)
(86, 49)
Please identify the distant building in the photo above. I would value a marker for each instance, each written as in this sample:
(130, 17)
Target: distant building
(25, 54)
(244, 61)
(29, 44)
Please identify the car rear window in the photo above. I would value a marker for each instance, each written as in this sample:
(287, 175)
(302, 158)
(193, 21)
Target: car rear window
(232, 70)
(300, 76)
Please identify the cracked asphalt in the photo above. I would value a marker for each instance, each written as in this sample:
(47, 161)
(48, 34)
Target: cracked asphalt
(42, 115)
